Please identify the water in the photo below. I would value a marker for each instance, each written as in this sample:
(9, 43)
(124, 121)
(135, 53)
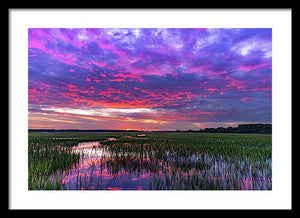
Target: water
(96, 170)
(101, 169)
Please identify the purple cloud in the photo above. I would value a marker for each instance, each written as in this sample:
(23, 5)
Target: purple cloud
(183, 76)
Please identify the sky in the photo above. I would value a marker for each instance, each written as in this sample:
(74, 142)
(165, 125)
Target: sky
(148, 79)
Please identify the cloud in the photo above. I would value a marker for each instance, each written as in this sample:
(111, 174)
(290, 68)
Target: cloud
(152, 76)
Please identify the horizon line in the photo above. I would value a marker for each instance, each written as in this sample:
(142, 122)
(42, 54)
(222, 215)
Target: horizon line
(140, 130)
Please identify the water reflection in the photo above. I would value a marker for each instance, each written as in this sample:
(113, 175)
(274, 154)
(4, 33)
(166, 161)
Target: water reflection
(101, 169)
(87, 145)
(98, 172)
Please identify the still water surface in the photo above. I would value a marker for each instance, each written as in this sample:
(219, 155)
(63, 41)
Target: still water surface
(101, 169)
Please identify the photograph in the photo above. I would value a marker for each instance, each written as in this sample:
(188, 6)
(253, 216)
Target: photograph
(150, 109)
(160, 109)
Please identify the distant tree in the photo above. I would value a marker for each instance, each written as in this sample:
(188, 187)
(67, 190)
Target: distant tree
(230, 130)
(254, 128)
(221, 130)
(210, 130)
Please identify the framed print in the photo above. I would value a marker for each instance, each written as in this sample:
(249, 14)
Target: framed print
(185, 109)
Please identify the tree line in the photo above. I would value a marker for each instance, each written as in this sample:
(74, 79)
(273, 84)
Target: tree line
(242, 128)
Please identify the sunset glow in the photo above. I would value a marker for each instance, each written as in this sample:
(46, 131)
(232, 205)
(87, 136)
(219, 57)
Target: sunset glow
(148, 79)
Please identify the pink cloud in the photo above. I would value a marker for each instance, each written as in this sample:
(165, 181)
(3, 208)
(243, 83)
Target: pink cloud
(99, 64)
(246, 99)
(248, 68)
(117, 80)
(212, 89)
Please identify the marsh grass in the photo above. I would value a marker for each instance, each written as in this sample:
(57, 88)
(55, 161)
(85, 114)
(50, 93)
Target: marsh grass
(171, 161)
